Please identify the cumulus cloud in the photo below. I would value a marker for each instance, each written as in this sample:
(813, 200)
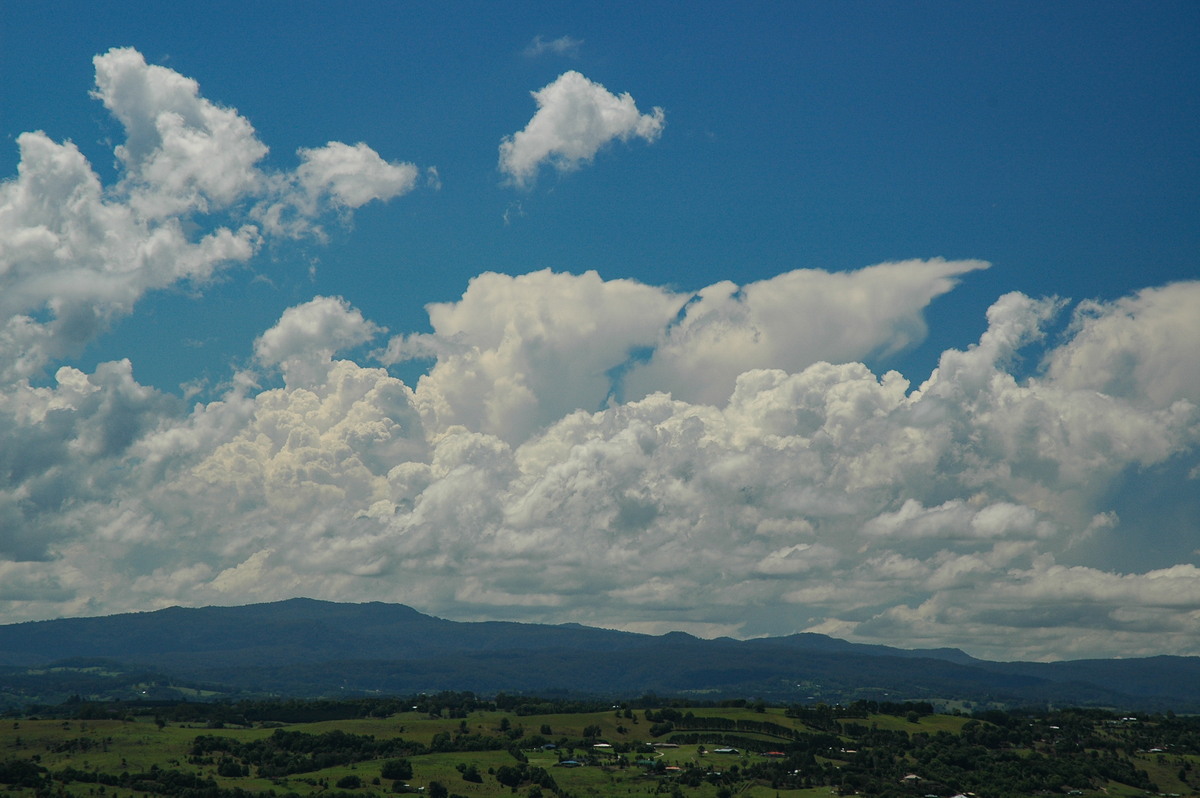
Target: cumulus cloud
(792, 320)
(353, 175)
(304, 341)
(574, 120)
(580, 449)
(72, 259)
(182, 152)
(826, 498)
(1141, 347)
(518, 353)
(76, 255)
(64, 446)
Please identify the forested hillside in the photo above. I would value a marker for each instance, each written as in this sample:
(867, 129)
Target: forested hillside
(311, 649)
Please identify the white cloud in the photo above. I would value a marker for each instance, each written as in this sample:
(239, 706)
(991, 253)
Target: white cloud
(72, 259)
(574, 120)
(956, 520)
(602, 451)
(563, 45)
(1140, 347)
(182, 153)
(797, 559)
(76, 255)
(64, 446)
(791, 321)
(828, 498)
(354, 175)
(518, 353)
(306, 337)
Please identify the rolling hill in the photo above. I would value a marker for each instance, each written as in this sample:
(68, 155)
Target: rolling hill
(308, 648)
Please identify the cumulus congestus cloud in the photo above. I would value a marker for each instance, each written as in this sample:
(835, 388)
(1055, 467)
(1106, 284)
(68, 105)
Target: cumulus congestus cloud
(588, 449)
(827, 497)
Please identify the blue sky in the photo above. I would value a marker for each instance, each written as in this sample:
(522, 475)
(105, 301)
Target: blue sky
(698, 199)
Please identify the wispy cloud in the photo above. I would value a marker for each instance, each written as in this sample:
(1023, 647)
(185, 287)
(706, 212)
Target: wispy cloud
(563, 45)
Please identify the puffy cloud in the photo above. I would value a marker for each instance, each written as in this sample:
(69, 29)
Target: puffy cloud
(827, 498)
(306, 337)
(574, 120)
(956, 519)
(317, 446)
(182, 153)
(76, 255)
(72, 259)
(798, 558)
(353, 175)
(793, 320)
(581, 449)
(1071, 611)
(1141, 347)
(518, 353)
(64, 446)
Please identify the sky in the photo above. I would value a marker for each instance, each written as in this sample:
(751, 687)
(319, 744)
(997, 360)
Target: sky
(878, 320)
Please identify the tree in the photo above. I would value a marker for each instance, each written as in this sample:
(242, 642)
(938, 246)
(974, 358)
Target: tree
(469, 772)
(437, 790)
(509, 776)
(398, 769)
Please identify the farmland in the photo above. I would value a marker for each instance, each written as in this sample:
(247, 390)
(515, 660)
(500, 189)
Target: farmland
(456, 744)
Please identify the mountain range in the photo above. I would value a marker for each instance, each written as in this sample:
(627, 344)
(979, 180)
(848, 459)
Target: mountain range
(305, 648)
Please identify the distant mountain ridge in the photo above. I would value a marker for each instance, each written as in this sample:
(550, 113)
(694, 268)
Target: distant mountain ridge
(310, 648)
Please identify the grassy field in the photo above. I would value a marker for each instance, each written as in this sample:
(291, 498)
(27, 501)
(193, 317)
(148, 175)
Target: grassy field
(140, 744)
(929, 724)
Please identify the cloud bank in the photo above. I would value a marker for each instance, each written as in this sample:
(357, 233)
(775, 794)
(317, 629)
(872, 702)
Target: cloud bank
(581, 449)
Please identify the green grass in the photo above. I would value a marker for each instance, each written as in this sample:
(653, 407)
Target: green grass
(930, 724)
(139, 745)
(1164, 771)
